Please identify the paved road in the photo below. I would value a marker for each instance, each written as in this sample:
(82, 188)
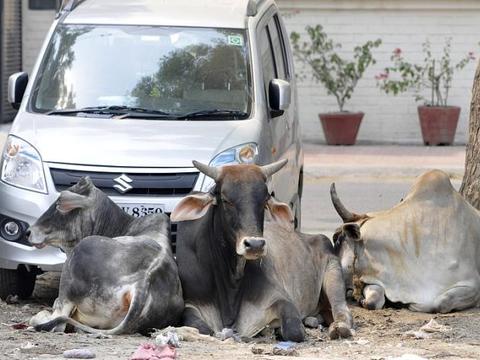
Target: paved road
(361, 195)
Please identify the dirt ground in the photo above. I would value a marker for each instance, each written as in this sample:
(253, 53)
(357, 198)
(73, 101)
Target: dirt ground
(379, 335)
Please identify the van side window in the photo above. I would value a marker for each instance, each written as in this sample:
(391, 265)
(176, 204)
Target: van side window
(278, 43)
(268, 59)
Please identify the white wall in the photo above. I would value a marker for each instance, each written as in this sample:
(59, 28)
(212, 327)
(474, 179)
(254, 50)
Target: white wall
(405, 24)
(35, 25)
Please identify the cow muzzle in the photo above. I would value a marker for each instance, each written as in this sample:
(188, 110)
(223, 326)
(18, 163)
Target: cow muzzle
(34, 239)
(252, 248)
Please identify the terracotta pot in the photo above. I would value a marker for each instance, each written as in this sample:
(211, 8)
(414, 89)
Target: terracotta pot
(341, 128)
(438, 123)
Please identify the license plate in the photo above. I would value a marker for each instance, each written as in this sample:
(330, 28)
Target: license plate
(139, 210)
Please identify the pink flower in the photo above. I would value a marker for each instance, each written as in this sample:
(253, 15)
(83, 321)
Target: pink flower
(471, 55)
(397, 52)
(381, 76)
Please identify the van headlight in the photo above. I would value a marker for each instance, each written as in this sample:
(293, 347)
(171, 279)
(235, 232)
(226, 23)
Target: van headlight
(22, 166)
(241, 154)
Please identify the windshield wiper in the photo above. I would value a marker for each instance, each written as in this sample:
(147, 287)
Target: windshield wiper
(124, 111)
(235, 114)
(137, 112)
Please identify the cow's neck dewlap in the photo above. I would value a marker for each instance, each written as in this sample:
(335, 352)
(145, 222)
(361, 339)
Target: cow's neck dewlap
(227, 270)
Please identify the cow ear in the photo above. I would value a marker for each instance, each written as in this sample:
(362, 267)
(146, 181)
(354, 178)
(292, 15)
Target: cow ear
(337, 238)
(281, 213)
(192, 207)
(68, 201)
(352, 231)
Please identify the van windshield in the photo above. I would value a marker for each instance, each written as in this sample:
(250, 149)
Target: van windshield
(168, 70)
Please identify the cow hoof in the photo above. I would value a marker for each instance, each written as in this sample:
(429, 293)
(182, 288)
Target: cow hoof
(42, 317)
(293, 330)
(339, 330)
(370, 305)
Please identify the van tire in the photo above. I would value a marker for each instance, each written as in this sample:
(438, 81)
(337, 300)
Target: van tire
(19, 282)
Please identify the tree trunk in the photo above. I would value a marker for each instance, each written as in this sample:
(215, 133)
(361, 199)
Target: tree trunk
(470, 188)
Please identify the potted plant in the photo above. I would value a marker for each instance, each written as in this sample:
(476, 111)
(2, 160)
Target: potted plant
(339, 76)
(438, 120)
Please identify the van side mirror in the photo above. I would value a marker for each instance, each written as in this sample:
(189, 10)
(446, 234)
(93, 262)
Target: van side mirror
(17, 83)
(279, 94)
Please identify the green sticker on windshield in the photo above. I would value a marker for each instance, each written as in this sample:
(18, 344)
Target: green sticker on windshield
(235, 40)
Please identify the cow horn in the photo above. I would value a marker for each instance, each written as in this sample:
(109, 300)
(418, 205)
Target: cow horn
(346, 215)
(210, 171)
(270, 169)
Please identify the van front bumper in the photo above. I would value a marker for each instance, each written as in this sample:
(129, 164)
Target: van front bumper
(26, 206)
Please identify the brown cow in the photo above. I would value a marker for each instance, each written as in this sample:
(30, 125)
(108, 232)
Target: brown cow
(424, 252)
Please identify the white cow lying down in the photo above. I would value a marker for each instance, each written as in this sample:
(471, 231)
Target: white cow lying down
(424, 252)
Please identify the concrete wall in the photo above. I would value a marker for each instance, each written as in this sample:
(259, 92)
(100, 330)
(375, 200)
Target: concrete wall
(405, 24)
(35, 26)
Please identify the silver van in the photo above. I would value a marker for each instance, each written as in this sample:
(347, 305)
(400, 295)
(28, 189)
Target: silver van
(128, 93)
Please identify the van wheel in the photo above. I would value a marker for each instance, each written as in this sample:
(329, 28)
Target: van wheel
(19, 282)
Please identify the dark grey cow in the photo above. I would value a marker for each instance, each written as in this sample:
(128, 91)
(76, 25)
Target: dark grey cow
(242, 271)
(120, 275)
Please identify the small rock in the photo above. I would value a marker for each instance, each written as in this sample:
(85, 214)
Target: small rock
(285, 348)
(225, 334)
(79, 354)
(12, 299)
(311, 322)
(168, 336)
(26, 307)
(27, 346)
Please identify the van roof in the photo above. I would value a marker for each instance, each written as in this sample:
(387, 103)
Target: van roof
(195, 13)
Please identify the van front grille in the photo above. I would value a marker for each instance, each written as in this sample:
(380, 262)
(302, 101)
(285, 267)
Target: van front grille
(153, 184)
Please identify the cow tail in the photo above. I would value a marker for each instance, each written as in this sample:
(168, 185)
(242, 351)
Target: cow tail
(129, 323)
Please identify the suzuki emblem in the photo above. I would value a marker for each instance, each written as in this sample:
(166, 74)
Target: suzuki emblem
(123, 184)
